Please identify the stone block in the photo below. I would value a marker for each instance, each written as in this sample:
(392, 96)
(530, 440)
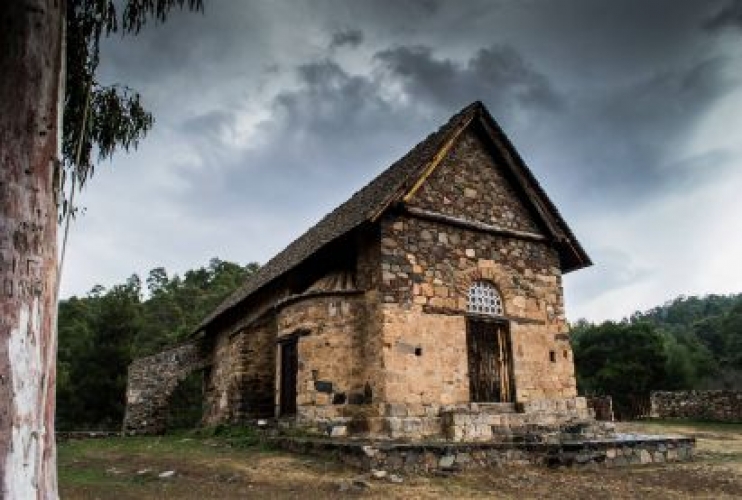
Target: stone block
(338, 431)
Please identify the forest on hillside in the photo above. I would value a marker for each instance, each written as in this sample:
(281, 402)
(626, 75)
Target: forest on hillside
(102, 332)
(688, 343)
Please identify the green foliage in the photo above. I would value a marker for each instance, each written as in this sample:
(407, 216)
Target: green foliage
(186, 403)
(688, 343)
(100, 334)
(620, 359)
(102, 118)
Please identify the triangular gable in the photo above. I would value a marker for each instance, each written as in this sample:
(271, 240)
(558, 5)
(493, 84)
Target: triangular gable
(472, 184)
(572, 255)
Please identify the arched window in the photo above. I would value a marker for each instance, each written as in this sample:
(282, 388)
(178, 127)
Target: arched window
(484, 299)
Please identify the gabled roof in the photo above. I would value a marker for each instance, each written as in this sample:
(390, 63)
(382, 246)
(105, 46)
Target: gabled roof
(394, 184)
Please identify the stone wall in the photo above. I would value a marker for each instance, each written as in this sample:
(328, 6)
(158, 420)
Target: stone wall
(152, 380)
(470, 184)
(720, 406)
(431, 457)
(427, 269)
(240, 383)
(219, 381)
(331, 332)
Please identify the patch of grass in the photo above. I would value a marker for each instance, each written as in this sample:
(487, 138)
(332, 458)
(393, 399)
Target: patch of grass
(207, 466)
(83, 475)
(707, 425)
(234, 436)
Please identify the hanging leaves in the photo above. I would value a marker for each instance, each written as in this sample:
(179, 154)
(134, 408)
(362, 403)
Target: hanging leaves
(100, 119)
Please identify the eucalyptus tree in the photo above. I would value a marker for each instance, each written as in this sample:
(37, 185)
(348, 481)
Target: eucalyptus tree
(54, 115)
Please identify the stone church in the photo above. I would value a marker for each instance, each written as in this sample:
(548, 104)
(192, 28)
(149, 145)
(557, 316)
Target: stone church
(428, 305)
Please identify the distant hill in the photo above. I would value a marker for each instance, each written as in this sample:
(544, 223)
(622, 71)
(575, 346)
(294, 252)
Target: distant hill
(687, 343)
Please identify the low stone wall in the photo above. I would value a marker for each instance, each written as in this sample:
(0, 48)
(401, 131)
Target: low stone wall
(151, 382)
(719, 406)
(446, 456)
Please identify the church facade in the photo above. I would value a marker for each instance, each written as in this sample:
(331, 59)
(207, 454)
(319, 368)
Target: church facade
(429, 304)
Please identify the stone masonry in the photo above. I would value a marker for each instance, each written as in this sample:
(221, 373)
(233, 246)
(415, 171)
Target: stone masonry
(366, 324)
(151, 381)
(718, 406)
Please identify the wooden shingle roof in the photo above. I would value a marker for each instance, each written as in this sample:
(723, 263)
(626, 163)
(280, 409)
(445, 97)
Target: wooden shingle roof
(391, 186)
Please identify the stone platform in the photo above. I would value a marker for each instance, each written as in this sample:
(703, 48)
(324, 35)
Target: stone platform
(445, 456)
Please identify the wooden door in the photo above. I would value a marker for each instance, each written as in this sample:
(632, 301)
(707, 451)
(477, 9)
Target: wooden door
(289, 371)
(490, 366)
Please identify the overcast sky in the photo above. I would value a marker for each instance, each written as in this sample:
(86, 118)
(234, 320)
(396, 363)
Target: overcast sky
(269, 114)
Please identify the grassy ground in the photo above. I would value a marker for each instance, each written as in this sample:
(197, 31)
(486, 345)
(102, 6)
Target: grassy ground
(206, 468)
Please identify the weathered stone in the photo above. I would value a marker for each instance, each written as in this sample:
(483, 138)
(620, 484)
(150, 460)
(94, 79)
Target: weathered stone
(338, 431)
(378, 474)
(718, 405)
(151, 381)
(446, 461)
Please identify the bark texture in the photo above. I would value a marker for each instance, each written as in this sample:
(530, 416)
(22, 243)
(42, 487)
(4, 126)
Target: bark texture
(31, 33)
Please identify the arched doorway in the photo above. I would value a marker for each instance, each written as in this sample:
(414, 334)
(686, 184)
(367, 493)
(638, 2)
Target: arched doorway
(185, 404)
(488, 346)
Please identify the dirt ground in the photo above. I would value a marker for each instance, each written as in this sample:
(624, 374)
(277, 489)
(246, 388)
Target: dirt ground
(130, 468)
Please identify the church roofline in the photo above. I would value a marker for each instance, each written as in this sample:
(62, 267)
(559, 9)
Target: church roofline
(398, 183)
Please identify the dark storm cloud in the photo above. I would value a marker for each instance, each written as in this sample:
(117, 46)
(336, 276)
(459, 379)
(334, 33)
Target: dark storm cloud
(339, 129)
(728, 16)
(627, 133)
(497, 73)
(352, 38)
(342, 127)
(334, 131)
(269, 114)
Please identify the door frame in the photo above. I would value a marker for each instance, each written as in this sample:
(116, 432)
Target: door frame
(285, 406)
(503, 354)
(288, 349)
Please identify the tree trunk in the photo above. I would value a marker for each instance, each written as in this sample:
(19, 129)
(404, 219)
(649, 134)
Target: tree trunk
(31, 36)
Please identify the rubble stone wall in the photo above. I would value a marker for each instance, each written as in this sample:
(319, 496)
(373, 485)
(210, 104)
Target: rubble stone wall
(430, 457)
(151, 382)
(470, 184)
(331, 330)
(240, 383)
(720, 405)
(428, 267)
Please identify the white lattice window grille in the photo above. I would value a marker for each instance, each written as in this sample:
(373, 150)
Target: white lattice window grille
(484, 299)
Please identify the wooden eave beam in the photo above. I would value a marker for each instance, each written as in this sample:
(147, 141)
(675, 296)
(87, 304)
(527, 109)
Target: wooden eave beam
(470, 224)
(408, 193)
